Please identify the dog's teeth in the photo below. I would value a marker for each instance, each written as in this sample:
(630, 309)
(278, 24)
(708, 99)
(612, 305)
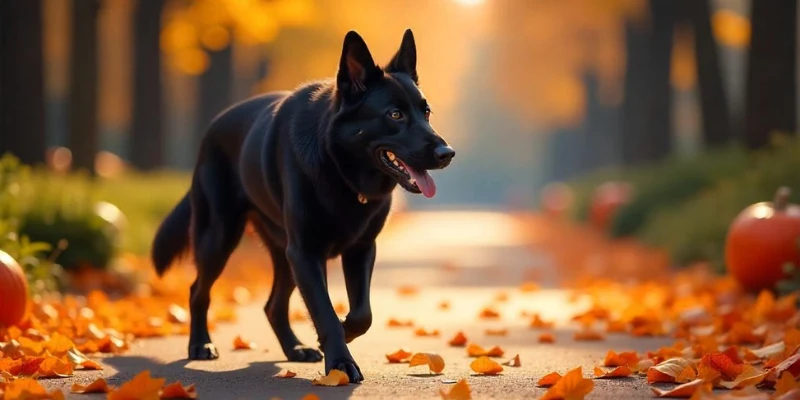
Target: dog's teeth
(412, 181)
(390, 155)
(397, 163)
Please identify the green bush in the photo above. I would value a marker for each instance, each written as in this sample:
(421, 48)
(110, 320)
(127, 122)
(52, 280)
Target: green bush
(696, 229)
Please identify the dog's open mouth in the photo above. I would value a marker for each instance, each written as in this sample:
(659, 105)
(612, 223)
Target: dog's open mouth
(415, 181)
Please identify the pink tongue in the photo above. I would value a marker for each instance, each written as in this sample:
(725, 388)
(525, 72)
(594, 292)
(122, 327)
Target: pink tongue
(424, 181)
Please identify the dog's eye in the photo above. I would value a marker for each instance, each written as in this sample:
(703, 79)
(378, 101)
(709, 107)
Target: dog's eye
(395, 115)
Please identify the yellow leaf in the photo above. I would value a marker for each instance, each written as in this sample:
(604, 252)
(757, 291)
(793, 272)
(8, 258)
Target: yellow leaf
(334, 378)
(434, 361)
(485, 365)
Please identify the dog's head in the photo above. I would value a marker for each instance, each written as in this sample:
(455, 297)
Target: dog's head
(384, 118)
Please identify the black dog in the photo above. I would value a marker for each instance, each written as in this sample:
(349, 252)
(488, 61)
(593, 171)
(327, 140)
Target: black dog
(313, 170)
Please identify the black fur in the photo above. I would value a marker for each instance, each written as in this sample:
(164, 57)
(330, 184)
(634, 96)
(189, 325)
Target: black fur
(309, 170)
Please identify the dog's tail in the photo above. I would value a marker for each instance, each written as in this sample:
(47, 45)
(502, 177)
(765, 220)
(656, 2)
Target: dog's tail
(172, 238)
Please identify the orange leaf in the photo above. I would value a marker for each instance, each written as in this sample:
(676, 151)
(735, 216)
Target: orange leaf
(549, 379)
(708, 374)
(24, 367)
(444, 305)
(97, 386)
(489, 313)
(423, 332)
(722, 363)
(473, 350)
(667, 371)
(572, 386)
(54, 367)
(501, 297)
(58, 345)
(588, 335)
(627, 358)
(790, 364)
(547, 338)
(538, 323)
(285, 373)
(240, 344)
(398, 356)
(458, 340)
(485, 365)
(459, 391)
(750, 376)
(176, 390)
(78, 359)
(434, 361)
(514, 362)
(785, 384)
(310, 396)
(30, 347)
(396, 323)
(496, 332)
(616, 326)
(407, 290)
(141, 387)
(334, 378)
(687, 375)
(340, 308)
(618, 372)
(681, 391)
(528, 287)
(27, 388)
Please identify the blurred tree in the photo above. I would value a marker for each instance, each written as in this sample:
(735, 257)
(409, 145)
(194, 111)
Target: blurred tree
(147, 140)
(22, 109)
(717, 128)
(601, 139)
(83, 129)
(634, 107)
(215, 87)
(771, 100)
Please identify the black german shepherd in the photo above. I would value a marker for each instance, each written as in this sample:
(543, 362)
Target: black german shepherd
(313, 171)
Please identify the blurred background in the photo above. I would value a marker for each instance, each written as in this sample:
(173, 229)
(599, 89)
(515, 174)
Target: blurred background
(652, 119)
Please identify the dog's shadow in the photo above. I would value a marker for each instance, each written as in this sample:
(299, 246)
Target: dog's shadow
(255, 381)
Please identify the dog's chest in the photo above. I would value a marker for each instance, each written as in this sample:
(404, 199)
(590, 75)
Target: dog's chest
(350, 226)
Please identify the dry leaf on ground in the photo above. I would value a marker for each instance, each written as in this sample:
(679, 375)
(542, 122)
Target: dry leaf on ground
(626, 358)
(547, 338)
(444, 305)
(241, 344)
(398, 356)
(514, 362)
(97, 386)
(722, 363)
(538, 323)
(334, 378)
(489, 313)
(28, 388)
(618, 372)
(141, 387)
(474, 350)
(396, 323)
(496, 332)
(785, 384)
(681, 391)
(176, 390)
(458, 340)
(434, 361)
(528, 287)
(459, 391)
(667, 370)
(485, 365)
(285, 373)
(426, 333)
(588, 335)
(750, 376)
(571, 386)
(549, 379)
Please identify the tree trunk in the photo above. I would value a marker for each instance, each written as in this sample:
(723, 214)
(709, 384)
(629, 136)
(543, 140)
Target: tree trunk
(771, 103)
(147, 140)
(658, 135)
(717, 128)
(634, 106)
(600, 136)
(83, 129)
(22, 106)
(215, 88)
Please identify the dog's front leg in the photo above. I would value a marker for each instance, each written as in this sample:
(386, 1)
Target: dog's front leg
(358, 263)
(309, 273)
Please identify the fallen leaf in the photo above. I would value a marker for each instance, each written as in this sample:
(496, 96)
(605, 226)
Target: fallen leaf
(54, 367)
(398, 356)
(285, 373)
(485, 365)
(434, 361)
(489, 313)
(681, 391)
(538, 323)
(141, 387)
(723, 363)
(29, 347)
(340, 308)
(549, 379)
(407, 290)
(496, 332)
(27, 366)
(79, 360)
(708, 374)
(97, 386)
(501, 297)
(616, 326)
(514, 362)
(588, 335)
(785, 384)
(790, 364)
(618, 372)
(627, 358)
(571, 386)
(687, 375)
(547, 338)
(444, 305)
(667, 370)
(334, 378)
(298, 316)
(750, 376)
(240, 344)
(310, 396)
(396, 323)
(459, 340)
(177, 314)
(527, 287)
(176, 390)
(28, 388)
(459, 391)
(426, 333)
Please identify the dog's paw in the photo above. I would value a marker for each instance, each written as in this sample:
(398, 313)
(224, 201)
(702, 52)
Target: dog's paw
(351, 369)
(204, 351)
(304, 354)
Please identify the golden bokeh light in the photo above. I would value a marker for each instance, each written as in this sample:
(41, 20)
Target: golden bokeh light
(731, 29)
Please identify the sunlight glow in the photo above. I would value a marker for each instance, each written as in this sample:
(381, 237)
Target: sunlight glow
(469, 3)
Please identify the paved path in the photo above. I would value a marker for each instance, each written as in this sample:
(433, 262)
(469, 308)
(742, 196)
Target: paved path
(248, 374)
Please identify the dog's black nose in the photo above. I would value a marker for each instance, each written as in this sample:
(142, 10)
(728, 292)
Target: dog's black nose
(444, 154)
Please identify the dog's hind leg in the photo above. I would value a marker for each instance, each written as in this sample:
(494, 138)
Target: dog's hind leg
(218, 223)
(277, 307)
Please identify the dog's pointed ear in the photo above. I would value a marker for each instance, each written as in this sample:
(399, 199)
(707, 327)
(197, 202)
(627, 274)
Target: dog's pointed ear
(405, 60)
(356, 67)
